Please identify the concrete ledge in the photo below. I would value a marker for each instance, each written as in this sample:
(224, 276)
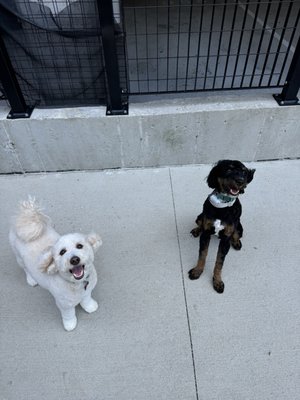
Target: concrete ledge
(190, 130)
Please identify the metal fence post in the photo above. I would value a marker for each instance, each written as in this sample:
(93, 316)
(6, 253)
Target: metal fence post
(115, 105)
(288, 96)
(19, 108)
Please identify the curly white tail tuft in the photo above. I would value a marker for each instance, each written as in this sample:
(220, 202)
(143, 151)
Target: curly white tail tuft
(30, 222)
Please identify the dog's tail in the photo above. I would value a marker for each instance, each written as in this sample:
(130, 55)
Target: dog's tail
(30, 222)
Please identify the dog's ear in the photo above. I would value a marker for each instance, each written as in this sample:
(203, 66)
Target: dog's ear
(47, 263)
(212, 179)
(250, 175)
(94, 240)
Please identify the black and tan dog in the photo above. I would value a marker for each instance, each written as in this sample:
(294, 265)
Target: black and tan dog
(221, 215)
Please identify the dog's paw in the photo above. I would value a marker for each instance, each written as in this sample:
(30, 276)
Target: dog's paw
(70, 324)
(195, 273)
(89, 305)
(237, 245)
(218, 286)
(31, 281)
(195, 232)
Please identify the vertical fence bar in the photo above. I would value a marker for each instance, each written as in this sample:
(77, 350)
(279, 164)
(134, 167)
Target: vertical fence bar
(289, 48)
(288, 96)
(199, 47)
(220, 43)
(274, 26)
(209, 42)
(178, 45)
(285, 24)
(189, 45)
(261, 41)
(246, 65)
(19, 108)
(115, 105)
(230, 43)
(245, 9)
(168, 45)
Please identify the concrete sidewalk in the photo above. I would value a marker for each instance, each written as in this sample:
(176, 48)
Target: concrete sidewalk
(158, 335)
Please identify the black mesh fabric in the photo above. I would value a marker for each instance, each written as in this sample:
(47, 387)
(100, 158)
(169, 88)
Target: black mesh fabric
(56, 51)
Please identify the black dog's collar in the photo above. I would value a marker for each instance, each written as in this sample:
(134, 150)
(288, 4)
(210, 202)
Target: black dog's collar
(221, 200)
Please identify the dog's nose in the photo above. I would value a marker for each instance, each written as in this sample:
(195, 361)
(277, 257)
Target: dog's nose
(75, 260)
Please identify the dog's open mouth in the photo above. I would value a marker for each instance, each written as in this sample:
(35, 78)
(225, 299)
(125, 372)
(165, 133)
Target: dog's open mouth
(234, 191)
(77, 271)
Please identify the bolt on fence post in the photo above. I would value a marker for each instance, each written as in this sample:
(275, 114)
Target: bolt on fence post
(11, 87)
(288, 96)
(115, 105)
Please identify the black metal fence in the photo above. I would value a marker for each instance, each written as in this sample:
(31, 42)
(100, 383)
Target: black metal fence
(193, 45)
(87, 52)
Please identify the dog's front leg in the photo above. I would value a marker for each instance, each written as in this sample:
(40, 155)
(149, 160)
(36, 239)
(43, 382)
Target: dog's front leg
(195, 272)
(236, 236)
(89, 304)
(223, 249)
(68, 317)
(32, 282)
(197, 231)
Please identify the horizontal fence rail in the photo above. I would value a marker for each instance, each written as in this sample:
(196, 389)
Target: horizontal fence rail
(195, 45)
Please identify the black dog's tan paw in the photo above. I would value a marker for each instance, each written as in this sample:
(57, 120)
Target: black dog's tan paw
(237, 245)
(195, 273)
(195, 232)
(218, 286)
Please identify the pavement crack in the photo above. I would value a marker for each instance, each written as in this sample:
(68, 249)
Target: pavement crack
(184, 287)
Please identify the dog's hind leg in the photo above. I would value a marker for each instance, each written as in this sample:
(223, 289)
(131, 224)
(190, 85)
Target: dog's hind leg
(195, 272)
(29, 278)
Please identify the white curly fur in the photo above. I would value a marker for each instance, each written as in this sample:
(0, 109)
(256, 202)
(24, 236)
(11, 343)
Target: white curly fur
(30, 221)
(38, 249)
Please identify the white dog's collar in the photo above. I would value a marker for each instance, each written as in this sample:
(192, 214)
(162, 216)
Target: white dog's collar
(221, 200)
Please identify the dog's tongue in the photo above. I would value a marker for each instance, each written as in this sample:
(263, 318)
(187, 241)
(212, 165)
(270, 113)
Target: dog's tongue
(78, 272)
(234, 192)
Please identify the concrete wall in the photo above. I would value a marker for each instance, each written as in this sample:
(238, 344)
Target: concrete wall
(199, 129)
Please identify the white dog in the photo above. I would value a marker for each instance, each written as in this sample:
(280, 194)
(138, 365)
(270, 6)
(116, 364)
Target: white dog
(61, 264)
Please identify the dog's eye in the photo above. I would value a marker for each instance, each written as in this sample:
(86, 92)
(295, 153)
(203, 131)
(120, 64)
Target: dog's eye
(62, 252)
(79, 246)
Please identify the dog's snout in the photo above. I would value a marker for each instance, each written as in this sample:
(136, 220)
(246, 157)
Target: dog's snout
(75, 260)
(240, 180)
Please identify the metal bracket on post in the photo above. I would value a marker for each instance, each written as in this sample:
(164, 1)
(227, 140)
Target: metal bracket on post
(288, 96)
(281, 102)
(116, 104)
(12, 90)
